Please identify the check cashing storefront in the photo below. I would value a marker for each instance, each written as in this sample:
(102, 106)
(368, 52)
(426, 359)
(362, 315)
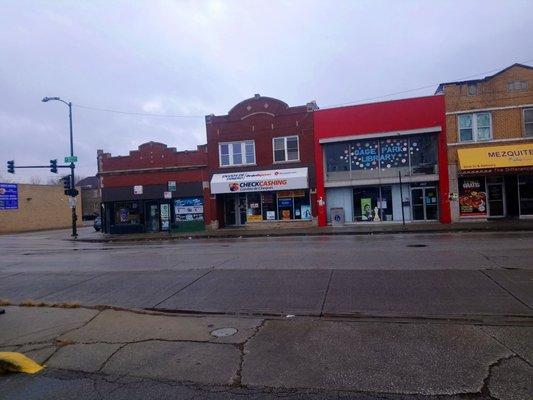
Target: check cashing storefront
(263, 196)
(496, 181)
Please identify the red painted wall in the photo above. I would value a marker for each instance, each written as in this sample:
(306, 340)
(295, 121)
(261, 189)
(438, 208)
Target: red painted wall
(389, 116)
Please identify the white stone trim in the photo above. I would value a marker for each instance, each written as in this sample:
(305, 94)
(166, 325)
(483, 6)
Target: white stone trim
(519, 139)
(489, 109)
(437, 128)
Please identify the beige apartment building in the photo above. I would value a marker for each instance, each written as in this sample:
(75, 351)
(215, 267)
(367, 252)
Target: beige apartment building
(489, 125)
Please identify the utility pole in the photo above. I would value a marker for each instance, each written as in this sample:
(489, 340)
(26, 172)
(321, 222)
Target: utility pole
(72, 159)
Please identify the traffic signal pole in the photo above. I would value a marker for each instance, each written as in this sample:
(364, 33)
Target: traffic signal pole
(72, 166)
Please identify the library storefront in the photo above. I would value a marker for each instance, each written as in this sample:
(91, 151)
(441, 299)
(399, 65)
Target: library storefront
(263, 196)
(387, 179)
(496, 182)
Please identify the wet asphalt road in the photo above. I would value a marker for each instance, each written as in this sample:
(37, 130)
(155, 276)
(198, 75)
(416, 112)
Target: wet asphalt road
(393, 275)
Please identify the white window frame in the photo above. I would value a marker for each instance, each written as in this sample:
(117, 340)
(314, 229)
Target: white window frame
(230, 153)
(474, 127)
(524, 121)
(285, 148)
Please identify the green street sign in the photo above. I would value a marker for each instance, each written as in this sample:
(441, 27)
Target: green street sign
(71, 159)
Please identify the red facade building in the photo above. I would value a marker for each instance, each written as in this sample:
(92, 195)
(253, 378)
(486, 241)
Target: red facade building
(261, 165)
(382, 162)
(154, 188)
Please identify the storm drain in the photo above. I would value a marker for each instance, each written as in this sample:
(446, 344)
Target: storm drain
(224, 332)
(416, 245)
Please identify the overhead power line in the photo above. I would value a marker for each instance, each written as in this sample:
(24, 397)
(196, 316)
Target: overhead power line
(352, 102)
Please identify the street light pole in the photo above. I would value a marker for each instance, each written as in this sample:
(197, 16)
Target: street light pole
(72, 165)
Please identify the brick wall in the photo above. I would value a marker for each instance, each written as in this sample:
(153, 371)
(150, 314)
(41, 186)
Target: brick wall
(40, 207)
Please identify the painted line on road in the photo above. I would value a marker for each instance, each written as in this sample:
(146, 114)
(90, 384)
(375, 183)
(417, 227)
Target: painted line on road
(184, 287)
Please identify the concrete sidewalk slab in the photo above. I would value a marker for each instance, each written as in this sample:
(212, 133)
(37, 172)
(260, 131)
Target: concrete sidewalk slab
(180, 361)
(126, 327)
(36, 285)
(419, 294)
(128, 289)
(371, 357)
(255, 291)
(517, 339)
(21, 325)
(83, 357)
(519, 282)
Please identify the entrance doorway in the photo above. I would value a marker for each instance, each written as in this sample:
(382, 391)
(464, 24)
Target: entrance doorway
(235, 209)
(152, 217)
(424, 203)
(496, 199)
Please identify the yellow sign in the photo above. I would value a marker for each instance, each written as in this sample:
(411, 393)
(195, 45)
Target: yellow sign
(516, 155)
(254, 218)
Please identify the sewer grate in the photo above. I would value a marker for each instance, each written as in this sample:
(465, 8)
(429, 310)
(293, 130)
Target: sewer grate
(416, 245)
(223, 332)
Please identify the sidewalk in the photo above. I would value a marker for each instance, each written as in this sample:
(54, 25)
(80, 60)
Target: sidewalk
(109, 354)
(355, 229)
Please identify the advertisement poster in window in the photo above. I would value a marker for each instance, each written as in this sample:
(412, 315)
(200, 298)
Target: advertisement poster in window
(472, 197)
(189, 209)
(165, 217)
(366, 209)
(271, 215)
(306, 212)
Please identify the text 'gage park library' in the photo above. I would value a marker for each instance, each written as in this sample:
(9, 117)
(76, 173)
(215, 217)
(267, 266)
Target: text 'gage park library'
(257, 196)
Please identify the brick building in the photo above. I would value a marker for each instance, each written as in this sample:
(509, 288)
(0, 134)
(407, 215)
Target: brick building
(35, 207)
(382, 162)
(154, 188)
(490, 144)
(261, 165)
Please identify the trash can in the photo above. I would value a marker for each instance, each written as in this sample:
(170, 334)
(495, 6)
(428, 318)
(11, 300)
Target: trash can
(337, 216)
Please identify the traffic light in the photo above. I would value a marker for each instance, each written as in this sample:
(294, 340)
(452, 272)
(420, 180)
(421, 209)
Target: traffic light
(66, 184)
(11, 167)
(53, 166)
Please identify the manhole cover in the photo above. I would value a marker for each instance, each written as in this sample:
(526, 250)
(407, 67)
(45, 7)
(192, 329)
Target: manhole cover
(416, 245)
(223, 332)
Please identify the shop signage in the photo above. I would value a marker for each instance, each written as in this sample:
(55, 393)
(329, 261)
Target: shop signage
(254, 218)
(167, 195)
(171, 186)
(472, 197)
(189, 209)
(138, 189)
(9, 199)
(518, 155)
(257, 181)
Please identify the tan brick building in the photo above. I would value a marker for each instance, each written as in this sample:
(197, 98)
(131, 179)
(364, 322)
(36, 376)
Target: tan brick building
(489, 125)
(39, 207)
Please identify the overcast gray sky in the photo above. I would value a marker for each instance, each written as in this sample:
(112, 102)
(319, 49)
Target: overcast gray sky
(194, 58)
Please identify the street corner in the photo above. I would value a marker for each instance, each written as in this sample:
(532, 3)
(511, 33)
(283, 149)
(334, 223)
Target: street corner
(423, 359)
(121, 327)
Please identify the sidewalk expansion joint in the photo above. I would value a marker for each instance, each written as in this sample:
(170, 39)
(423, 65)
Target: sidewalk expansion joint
(506, 290)
(326, 293)
(184, 287)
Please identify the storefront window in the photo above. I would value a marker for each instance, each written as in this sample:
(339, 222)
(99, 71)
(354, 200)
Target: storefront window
(525, 187)
(472, 197)
(268, 206)
(411, 155)
(127, 213)
(373, 204)
(423, 153)
(253, 211)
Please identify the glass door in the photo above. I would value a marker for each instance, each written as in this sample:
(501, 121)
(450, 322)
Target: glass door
(496, 200)
(230, 206)
(424, 203)
(242, 208)
(152, 217)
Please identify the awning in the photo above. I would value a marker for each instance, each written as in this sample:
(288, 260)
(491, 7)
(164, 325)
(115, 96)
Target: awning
(506, 157)
(260, 181)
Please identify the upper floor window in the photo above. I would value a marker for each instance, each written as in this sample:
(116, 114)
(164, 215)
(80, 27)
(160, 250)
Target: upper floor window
(516, 86)
(528, 121)
(474, 127)
(237, 153)
(286, 149)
